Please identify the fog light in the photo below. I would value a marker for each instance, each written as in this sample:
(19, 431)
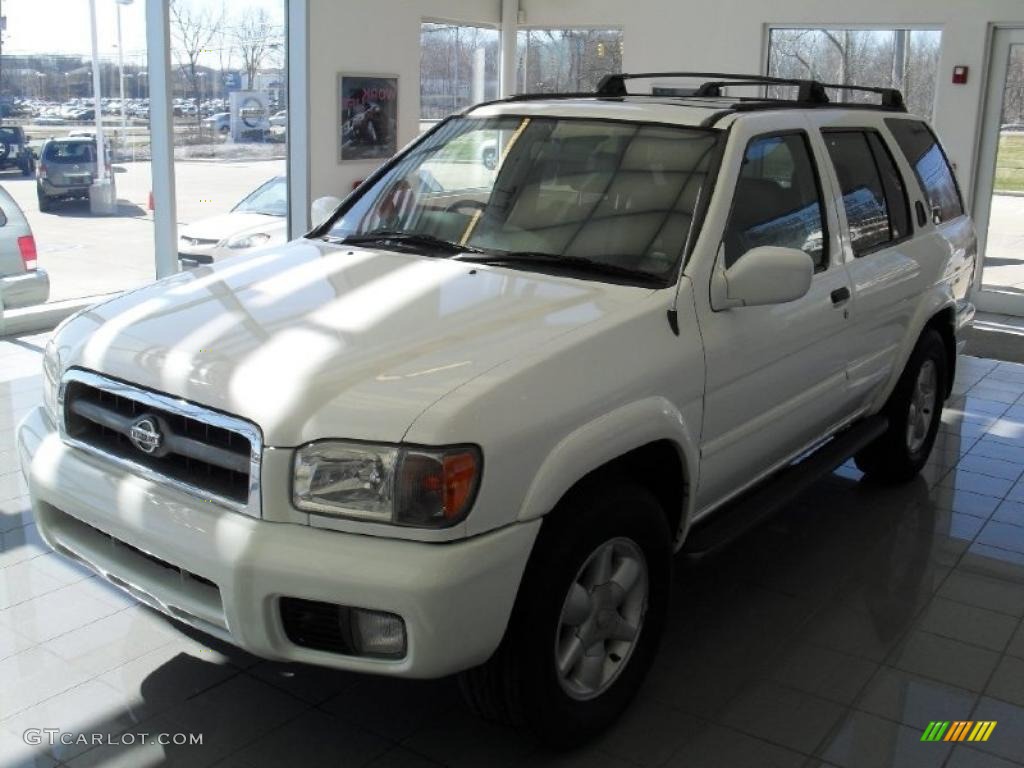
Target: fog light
(375, 633)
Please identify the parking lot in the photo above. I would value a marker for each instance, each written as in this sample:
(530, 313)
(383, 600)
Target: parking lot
(88, 255)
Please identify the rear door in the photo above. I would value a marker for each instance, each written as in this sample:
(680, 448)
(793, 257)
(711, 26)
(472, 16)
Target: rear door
(884, 258)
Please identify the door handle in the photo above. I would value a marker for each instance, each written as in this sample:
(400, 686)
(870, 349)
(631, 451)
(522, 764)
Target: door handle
(840, 295)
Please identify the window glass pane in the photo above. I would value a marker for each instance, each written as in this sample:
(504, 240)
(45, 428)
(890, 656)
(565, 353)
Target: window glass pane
(617, 193)
(867, 214)
(48, 154)
(777, 200)
(229, 80)
(926, 157)
(459, 67)
(892, 183)
(906, 59)
(566, 60)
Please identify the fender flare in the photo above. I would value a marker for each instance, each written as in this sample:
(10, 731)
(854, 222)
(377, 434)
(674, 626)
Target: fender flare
(937, 300)
(606, 438)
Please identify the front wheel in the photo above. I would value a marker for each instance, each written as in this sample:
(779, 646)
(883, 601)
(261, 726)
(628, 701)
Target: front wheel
(914, 410)
(587, 620)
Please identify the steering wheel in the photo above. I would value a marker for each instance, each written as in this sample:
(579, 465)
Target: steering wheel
(464, 203)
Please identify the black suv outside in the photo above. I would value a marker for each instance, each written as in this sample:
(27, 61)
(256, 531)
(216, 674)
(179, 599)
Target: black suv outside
(14, 150)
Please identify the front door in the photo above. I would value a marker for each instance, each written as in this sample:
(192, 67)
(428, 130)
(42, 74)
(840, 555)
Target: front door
(999, 192)
(776, 375)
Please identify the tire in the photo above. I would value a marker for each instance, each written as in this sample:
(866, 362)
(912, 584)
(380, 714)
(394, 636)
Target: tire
(521, 684)
(44, 202)
(900, 453)
(490, 158)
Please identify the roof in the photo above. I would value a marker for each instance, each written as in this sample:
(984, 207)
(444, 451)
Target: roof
(670, 110)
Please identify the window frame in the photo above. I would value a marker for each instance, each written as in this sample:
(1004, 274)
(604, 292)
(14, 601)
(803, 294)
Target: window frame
(839, 187)
(826, 252)
(920, 182)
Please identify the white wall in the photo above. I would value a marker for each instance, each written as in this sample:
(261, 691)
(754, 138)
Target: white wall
(724, 35)
(730, 36)
(375, 36)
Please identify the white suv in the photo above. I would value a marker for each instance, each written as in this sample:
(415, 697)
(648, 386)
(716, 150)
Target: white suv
(462, 426)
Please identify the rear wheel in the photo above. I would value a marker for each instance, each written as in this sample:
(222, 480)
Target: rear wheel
(44, 202)
(587, 620)
(914, 410)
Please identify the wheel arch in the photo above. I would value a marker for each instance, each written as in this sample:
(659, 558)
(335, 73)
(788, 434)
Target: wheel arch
(648, 442)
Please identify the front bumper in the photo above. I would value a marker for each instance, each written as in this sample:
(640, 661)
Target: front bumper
(224, 573)
(25, 290)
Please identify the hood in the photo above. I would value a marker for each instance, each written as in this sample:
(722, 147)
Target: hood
(229, 224)
(311, 340)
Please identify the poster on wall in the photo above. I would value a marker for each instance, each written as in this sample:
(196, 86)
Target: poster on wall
(368, 116)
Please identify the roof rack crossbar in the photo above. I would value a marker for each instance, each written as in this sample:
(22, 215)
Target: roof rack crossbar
(808, 91)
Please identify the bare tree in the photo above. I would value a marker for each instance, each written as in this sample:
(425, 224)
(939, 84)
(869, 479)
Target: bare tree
(193, 31)
(254, 39)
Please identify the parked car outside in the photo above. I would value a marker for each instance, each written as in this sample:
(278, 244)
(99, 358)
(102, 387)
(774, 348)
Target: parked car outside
(15, 151)
(22, 282)
(257, 221)
(464, 426)
(219, 122)
(280, 118)
(66, 170)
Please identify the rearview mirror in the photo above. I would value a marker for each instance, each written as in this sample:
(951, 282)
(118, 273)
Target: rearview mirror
(322, 209)
(764, 275)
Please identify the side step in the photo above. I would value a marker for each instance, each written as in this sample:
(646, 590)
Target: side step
(742, 514)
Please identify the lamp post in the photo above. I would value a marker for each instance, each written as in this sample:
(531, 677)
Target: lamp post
(120, 61)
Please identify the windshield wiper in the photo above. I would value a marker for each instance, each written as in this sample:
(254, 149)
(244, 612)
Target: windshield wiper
(410, 239)
(572, 263)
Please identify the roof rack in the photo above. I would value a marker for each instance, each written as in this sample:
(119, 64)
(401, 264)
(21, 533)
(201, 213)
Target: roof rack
(809, 92)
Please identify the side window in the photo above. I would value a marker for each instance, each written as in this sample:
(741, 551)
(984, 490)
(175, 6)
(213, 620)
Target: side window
(873, 195)
(777, 200)
(925, 155)
(895, 189)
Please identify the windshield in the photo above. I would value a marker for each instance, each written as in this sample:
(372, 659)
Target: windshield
(271, 199)
(70, 152)
(614, 193)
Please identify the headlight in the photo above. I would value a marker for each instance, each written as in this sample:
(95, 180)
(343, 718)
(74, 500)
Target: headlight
(247, 241)
(423, 487)
(51, 376)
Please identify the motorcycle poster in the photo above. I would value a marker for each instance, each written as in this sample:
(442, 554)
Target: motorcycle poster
(368, 117)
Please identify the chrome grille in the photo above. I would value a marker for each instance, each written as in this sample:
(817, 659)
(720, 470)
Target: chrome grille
(211, 455)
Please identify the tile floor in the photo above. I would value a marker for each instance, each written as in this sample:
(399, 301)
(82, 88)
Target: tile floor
(830, 636)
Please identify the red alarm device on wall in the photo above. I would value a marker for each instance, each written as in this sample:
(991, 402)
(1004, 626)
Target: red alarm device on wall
(959, 74)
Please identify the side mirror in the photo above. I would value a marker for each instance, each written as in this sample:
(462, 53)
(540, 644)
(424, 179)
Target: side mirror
(322, 208)
(764, 275)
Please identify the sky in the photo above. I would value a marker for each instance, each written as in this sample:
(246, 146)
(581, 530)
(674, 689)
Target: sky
(62, 26)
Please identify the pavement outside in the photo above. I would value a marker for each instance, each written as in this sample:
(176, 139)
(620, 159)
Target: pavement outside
(91, 255)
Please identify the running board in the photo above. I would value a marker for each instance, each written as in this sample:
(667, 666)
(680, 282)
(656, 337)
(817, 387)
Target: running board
(735, 518)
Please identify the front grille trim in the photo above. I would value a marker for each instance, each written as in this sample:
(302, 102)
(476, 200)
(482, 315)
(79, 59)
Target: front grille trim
(250, 506)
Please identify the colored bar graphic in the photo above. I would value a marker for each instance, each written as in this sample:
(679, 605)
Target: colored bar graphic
(958, 730)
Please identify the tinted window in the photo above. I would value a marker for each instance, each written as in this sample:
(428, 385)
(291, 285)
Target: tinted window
(929, 162)
(777, 200)
(873, 194)
(895, 189)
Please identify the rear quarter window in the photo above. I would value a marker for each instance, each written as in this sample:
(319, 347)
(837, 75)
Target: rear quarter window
(931, 166)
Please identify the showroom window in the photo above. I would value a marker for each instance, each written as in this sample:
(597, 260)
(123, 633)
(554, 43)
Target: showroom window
(459, 67)
(566, 60)
(230, 110)
(49, 158)
(906, 59)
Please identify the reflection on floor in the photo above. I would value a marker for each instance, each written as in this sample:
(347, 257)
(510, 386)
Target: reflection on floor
(831, 636)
